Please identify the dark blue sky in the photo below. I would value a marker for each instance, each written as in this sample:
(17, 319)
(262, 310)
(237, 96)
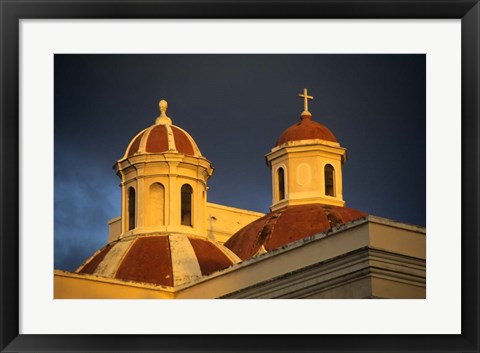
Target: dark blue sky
(235, 107)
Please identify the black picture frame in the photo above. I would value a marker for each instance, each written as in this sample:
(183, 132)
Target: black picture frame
(12, 11)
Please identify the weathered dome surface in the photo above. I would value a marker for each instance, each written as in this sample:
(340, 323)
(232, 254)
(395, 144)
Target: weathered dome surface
(163, 138)
(306, 129)
(167, 260)
(287, 225)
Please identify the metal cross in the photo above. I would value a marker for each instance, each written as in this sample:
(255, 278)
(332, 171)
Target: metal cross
(305, 97)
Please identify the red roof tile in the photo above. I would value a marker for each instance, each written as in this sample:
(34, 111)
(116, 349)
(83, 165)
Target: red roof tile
(149, 261)
(157, 140)
(210, 258)
(91, 265)
(306, 129)
(182, 142)
(134, 147)
(287, 225)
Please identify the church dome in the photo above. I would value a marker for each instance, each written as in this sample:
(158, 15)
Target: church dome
(306, 129)
(163, 137)
(287, 225)
(167, 260)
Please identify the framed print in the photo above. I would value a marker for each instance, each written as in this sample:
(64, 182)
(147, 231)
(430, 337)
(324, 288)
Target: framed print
(175, 94)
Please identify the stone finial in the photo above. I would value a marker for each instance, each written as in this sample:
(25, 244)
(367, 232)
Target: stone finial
(163, 106)
(163, 119)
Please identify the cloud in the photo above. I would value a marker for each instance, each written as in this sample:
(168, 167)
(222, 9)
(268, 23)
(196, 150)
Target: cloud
(84, 202)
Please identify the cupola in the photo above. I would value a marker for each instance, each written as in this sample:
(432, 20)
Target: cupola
(306, 164)
(163, 181)
(162, 239)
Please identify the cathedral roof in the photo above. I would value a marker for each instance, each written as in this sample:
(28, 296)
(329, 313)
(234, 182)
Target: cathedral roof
(168, 260)
(306, 129)
(287, 225)
(163, 137)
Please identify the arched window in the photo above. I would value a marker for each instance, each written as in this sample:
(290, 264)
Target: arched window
(329, 180)
(186, 208)
(157, 204)
(280, 184)
(131, 208)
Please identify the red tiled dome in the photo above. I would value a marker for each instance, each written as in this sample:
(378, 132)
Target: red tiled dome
(306, 129)
(287, 225)
(163, 138)
(168, 260)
